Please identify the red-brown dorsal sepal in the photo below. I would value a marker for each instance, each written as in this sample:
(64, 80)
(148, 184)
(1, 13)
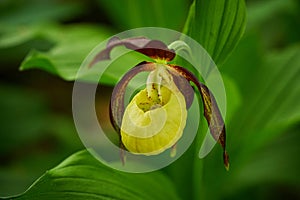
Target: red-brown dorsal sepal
(152, 48)
(157, 50)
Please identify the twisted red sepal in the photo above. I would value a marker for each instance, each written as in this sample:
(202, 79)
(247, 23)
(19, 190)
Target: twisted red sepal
(117, 97)
(116, 108)
(152, 48)
(211, 111)
(185, 88)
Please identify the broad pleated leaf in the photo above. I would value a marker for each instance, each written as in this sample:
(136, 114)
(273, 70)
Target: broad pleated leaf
(81, 176)
(71, 45)
(217, 25)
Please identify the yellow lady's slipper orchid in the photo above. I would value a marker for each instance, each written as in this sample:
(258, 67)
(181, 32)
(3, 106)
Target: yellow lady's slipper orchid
(155, 118)
(150, 125)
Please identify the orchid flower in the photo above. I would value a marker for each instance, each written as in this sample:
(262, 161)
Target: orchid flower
(155, 118)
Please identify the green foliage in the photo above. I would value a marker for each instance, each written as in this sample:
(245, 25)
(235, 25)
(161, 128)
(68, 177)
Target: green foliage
(71, 46)
(217, 26)
(127, 14)
(261, 78)
(262, 136)
(81, 176)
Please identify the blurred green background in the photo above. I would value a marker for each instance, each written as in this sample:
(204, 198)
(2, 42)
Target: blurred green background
(261, 77)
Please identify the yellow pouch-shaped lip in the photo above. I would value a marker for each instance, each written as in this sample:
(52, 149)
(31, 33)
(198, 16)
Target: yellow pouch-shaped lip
(148, 129)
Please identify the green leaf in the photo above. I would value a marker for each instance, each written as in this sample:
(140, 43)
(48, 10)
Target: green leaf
(81, 176)
(217, 25)
(72, 45)
(128, 14)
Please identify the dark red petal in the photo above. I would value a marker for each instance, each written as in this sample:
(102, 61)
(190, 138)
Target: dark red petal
(151, 48)
(211, 111)
(185, 88)
(116, 109)
(117, 98)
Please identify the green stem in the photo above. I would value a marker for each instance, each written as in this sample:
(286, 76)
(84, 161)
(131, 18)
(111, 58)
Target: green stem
(198, 164)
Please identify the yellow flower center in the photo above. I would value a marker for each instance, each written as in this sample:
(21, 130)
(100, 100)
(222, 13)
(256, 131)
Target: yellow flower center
(154, 120)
